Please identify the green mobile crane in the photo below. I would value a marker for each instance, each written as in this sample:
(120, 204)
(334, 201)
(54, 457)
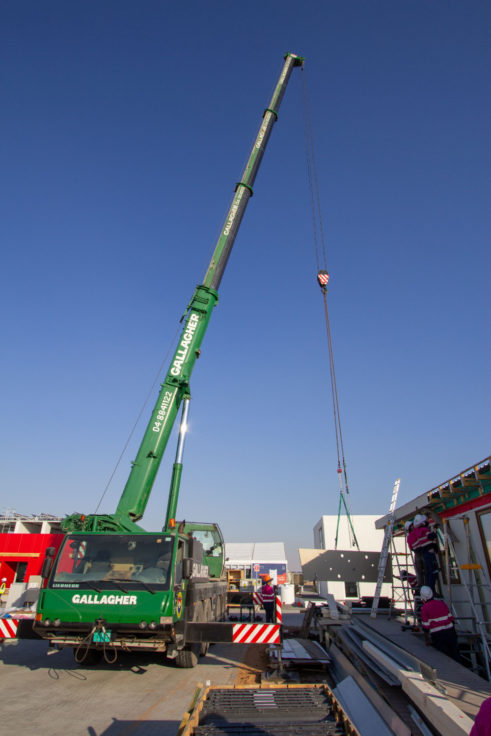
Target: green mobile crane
(113, 585)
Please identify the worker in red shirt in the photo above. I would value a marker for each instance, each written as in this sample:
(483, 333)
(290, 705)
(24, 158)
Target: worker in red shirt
(412, 581)
(428, 546)
(413, 535)
(268, 597)
(438, 624)
(482, 724)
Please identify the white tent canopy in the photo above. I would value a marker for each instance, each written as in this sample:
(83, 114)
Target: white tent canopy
(246, 553)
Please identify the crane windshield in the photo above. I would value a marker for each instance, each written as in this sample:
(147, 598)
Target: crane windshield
(114, 561)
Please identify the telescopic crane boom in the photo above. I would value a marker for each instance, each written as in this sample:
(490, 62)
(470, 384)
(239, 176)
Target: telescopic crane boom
(175, 387)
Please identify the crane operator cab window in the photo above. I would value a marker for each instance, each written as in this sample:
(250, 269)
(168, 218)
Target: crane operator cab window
(156, 569)
(211, 541)
(135, 561)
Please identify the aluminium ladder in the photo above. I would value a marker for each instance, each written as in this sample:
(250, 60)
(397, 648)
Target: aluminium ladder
(382, 564)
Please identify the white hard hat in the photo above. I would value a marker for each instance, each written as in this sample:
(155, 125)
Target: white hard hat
(408, 525)
(420, 519)
(426, 593)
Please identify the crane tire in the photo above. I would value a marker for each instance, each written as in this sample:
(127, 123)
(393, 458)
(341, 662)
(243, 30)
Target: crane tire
(188, 657)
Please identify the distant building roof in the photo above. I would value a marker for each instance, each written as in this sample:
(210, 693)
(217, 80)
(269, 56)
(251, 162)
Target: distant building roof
(12, 522)
(11, 515)
(243, 553)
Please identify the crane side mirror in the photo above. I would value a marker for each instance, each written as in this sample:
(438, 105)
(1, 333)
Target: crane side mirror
(187, 568)
(48, 561)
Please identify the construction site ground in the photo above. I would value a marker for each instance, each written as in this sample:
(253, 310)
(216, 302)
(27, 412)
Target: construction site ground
(139, 695)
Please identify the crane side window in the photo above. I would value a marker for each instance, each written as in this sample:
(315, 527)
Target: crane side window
(211, 541)
(179, 559)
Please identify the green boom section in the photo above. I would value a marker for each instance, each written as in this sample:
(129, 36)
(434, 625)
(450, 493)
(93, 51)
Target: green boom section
(243, 189)
(175, 387)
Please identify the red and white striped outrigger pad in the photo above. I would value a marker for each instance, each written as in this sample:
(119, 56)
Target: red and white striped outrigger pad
(256, 634)
(8, 628)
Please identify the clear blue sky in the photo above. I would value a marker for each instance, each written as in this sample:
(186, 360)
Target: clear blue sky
(124, 128)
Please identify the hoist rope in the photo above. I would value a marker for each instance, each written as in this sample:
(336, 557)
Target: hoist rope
(132, 431)
(312, 177)
(321, 263)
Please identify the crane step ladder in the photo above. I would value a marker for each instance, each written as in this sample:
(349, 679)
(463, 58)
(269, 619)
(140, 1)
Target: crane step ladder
(384, 554)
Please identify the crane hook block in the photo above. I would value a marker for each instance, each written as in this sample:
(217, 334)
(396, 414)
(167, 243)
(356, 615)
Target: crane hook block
(323, 278)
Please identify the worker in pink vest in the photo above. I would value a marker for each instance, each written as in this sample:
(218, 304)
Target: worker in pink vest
(428, 546)
(268, 596)
(438, 624)
(482, 724)
(412, 582)
(413, 535)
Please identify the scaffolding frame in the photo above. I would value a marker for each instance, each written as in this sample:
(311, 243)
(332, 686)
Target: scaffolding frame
(480, 622)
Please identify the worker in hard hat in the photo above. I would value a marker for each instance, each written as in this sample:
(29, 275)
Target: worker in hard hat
(438, 624)
(268, 598)
(413, 543)
(427, 543)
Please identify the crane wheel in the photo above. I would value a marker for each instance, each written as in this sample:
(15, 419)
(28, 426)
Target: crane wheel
(188, 657)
